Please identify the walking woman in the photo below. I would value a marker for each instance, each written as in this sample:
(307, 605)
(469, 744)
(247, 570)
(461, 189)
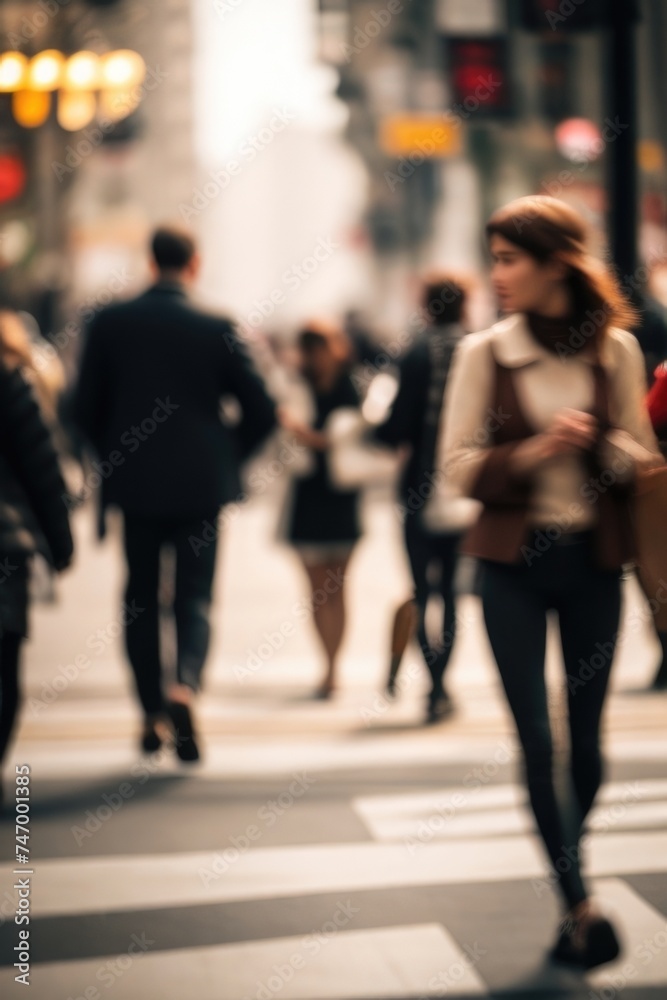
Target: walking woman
(33, 515)
(324, 521)
(545, 424)
(414, 421)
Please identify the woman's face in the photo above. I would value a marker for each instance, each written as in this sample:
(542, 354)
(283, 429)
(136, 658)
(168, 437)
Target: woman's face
(521, 283)
(317, 363)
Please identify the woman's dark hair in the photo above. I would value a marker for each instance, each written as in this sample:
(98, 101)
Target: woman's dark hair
(318, 333)
(172, 248)
(444, 297)
(549, 229)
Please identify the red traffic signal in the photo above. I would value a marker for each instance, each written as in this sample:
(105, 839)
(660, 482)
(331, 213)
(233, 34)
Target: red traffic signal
(12, 177)
(479, 76)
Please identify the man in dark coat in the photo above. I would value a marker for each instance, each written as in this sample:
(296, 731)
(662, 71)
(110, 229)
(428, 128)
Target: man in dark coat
(153, 376)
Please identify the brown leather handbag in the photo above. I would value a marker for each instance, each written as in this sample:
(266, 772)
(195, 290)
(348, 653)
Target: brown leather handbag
(650, 526)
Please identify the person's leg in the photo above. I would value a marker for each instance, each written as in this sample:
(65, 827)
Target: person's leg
(195, 569)
(143, 540)
(327, 584)
(10, 695)
(420, 556)
(589, 615)
(515, 614)
(446, 549)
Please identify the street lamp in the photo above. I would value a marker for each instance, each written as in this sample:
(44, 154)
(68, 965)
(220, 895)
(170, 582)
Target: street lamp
(86, 84)
(76, 109)
(31, 107)
(82, 71)
(12, 71)
(45, 70)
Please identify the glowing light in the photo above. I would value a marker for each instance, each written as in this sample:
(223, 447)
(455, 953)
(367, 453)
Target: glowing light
(82, 71)
(12, 71)
(45, 70)
(31, 107)
(76, 109)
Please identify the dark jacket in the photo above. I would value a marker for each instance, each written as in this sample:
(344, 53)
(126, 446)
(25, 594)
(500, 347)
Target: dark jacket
(33, 510)
(152, 377)
(414, 418)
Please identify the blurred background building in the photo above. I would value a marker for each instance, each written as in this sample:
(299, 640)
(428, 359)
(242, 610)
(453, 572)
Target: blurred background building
(327, 152)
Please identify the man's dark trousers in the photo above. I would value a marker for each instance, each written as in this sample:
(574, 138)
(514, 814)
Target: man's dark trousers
(145, 536)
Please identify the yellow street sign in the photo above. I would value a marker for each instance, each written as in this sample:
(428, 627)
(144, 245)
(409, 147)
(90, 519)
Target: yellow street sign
(432, 136)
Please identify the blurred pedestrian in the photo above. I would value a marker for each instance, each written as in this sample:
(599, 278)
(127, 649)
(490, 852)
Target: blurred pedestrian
(657, 408)
(323, 522)
(650, 331)
(33, 514)
(545, 424)
(414, 422)
(153, 374)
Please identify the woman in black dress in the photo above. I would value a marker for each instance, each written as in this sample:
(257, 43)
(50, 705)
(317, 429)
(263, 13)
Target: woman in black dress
(324, 521)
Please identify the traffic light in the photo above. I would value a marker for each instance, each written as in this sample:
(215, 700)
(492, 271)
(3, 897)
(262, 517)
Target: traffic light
(16, 151)
(555, 80)
(563, 15)
(479, 76)
(12, 176)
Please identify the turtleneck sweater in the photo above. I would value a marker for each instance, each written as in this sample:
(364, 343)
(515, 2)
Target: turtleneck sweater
(562, 335)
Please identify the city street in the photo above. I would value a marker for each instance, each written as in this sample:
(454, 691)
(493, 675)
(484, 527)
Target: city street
(335, 849)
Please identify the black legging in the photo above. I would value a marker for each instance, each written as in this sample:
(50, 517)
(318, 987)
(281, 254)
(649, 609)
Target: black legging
(10, 696)
(429, 554)
(516, 599)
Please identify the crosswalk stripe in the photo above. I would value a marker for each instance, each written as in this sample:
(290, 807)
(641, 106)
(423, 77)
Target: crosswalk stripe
(247, 757)
(461, 811)
(240, 873)
(330, 963)
(643, 961)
